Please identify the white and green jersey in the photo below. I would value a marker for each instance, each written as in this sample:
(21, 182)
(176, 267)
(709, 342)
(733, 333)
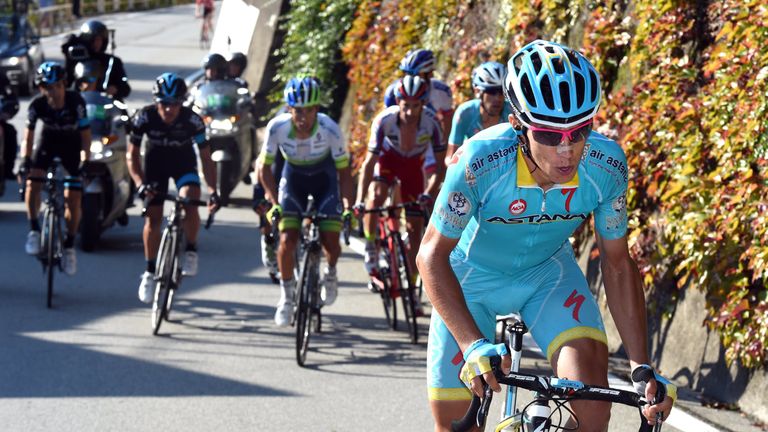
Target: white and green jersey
(326, 139)
(505, 221)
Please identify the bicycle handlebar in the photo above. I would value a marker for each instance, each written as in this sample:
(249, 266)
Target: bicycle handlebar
(550, 388)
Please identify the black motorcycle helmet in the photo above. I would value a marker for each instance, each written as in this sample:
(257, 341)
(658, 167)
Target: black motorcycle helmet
(88, 71)
(92, 28)
(240, 60)
(215, 62)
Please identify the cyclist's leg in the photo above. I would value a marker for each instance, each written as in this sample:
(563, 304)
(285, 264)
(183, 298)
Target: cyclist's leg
(326, 192)
(73, 192)
(487, 295)
(156, 173)
(293, 199)
(32, 193)
(190, 188)
(410, 189)
(565, 321)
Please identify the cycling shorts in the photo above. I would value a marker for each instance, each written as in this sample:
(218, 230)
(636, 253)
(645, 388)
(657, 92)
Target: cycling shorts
(207, 11)
(159, 167)
(67, 150)
(552, 298)
(320, 181)
(410, 172)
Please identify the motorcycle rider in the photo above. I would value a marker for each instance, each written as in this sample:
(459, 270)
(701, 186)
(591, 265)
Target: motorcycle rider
(171, 130)
(94, 37)
(236, 64)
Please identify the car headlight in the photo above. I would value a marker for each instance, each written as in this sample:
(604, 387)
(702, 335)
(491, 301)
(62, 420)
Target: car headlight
(10, 61)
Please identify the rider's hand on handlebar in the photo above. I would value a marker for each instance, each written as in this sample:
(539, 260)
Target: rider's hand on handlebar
(275, 212)
(659, 391)
(477, 363)
(347, 215)
(426, 200)
(146, 191)
(214, 202)
(24, 166)
(358, 209)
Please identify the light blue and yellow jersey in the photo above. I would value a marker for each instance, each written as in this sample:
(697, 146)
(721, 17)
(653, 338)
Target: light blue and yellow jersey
(326, 139)
(506, 222)
(467, 121)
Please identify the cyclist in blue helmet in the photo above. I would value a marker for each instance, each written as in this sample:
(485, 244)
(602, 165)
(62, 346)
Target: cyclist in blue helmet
(171, 132)
(66, 134)
(487, 109)
(497, 242)
(317, 164)
(421, 62)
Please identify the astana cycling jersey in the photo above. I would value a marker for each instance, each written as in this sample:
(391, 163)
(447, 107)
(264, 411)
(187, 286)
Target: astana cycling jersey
(385, 135)
(505, 221)
(325, 139)
(440, 96)
(467, 121)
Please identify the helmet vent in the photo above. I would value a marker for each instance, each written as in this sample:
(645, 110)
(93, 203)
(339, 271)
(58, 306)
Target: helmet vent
(525, 84)
(557, 63)
(593, 85)
(546, 92)
(536, 61)
(580, 94)
(564, 97)
(572, 57)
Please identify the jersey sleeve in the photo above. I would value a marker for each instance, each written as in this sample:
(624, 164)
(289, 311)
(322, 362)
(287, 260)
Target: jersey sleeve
(269, 150)
(611, 213)
(83, 122)
(441, 98)
(458, 200)
(376, 142)
(338, 147)
(197, 128)
(458, 126)
(32, 115)
(389, 95)
(138, 128)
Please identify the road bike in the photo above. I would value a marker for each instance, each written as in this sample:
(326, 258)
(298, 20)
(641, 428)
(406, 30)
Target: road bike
(307, 310)
(393, 278)
(168, 264)
(538, 415)
(51, 238)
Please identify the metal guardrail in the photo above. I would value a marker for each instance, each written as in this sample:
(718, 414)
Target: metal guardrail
(58, 18)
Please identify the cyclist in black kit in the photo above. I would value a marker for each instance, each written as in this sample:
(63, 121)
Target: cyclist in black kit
(66, 134)
(171, 130)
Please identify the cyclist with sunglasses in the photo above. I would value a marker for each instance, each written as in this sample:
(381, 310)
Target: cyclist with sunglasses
(317, 164)
(498, 243)
(66, 134)
(171, 130)
(486, 110)
(406, 143)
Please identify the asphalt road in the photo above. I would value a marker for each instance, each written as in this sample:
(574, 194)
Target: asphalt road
(91, 363)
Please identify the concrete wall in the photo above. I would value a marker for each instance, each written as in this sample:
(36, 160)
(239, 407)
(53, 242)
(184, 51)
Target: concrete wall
(683, 349)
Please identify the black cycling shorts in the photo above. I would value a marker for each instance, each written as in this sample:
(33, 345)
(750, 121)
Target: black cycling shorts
(67, 150)
(160, 166)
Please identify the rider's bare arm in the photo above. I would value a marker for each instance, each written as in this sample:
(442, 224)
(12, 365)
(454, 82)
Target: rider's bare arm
(345, 186)
(267, 180)
(209, 168)
(85, 140)
(366, 174)
(133, 159)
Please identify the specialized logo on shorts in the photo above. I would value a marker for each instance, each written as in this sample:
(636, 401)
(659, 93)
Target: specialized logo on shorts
(575, 299)
(458, 203)
(518, 206)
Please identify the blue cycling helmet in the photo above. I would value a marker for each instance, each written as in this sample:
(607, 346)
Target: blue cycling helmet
(552, 85)
(169, 87)
(49, 73)
(418, 61)
(488, 75)
(411, 87)
(302, 92)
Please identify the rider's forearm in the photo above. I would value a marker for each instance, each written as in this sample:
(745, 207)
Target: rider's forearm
(209, 172)
(133, 159)
(445, 293)
(29, 139)
(623, 289)
(345, 186)
(366, 174)
(85, 140)
(267, 180)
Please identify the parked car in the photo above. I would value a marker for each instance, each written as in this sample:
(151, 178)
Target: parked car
(20, 52)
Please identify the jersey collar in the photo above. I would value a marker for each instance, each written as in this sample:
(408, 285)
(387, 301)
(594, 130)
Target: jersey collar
(292, 133)
(526, 180)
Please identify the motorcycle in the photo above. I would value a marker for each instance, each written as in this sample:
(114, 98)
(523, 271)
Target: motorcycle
(225, 107)
(107, 190)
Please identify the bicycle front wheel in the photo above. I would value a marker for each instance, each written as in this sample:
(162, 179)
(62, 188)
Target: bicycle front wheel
(306, 292)
(49, 249)
(164, 279)
(385, 274)
(407, 291)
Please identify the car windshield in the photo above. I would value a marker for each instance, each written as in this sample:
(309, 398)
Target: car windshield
(9, 30)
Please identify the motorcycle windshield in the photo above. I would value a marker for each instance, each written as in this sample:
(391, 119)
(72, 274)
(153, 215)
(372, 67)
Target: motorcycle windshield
(219, 98)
